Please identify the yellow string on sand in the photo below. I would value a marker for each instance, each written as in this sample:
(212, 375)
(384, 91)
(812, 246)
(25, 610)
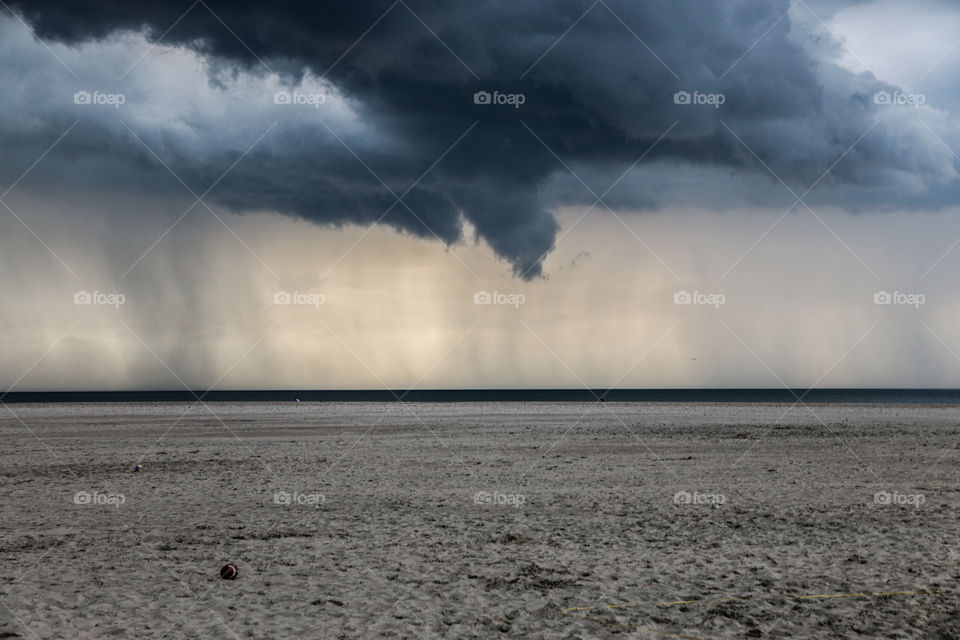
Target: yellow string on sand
(875, 594)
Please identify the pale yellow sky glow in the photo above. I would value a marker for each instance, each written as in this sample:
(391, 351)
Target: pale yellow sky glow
(398, 311)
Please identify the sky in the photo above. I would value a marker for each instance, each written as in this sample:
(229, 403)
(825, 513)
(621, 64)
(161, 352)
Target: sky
(493, 194)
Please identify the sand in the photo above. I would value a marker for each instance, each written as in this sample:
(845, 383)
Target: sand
(364, 520)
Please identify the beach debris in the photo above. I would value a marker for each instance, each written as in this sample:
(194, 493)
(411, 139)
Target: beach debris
(138, 468)
(230, 571)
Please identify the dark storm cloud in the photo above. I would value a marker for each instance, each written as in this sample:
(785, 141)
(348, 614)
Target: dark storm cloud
(601, 96)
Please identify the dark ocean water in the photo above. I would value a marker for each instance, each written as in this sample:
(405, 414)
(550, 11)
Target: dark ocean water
(857, 396)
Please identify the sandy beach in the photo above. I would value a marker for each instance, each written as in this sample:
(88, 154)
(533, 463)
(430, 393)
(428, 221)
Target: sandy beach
(480, 521)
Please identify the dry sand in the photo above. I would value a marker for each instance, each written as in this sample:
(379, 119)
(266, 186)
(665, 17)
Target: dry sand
(385, 537)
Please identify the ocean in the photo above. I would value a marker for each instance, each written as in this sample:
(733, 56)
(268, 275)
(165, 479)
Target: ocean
(828, 396)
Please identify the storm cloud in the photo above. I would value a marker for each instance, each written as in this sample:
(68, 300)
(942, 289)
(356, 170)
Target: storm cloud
(406, 137)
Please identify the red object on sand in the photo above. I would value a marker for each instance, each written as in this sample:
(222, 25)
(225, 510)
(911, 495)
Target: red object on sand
(230, 572)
